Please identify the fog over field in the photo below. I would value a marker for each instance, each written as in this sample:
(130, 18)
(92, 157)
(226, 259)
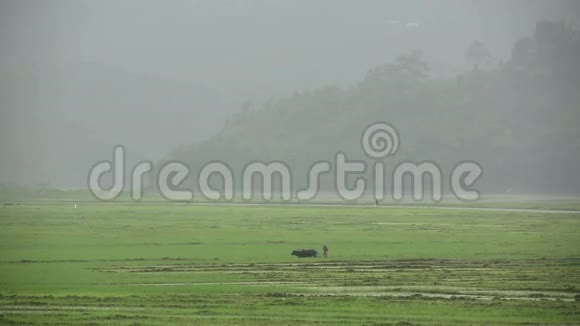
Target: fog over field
(289, 162)
(293, 81)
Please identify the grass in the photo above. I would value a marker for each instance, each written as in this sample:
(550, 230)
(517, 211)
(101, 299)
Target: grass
(195, 264)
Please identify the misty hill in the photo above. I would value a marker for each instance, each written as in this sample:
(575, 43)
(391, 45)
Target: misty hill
(518, 118)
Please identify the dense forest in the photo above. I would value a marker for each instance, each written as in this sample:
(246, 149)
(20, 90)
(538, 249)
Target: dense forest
(517, 117)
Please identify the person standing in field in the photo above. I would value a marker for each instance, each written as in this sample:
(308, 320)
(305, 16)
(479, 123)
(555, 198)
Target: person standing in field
(325, 250)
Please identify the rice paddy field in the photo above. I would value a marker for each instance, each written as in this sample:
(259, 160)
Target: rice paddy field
(160, 263)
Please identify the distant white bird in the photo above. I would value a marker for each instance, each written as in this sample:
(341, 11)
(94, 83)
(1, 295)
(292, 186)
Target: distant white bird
(75, 205)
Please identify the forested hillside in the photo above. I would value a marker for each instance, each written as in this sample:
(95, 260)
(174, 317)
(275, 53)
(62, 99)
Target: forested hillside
(518, 118)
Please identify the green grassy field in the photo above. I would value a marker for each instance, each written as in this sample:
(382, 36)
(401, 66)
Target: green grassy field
(107, 263)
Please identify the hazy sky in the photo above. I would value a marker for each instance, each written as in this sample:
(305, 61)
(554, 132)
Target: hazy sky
(78, 77)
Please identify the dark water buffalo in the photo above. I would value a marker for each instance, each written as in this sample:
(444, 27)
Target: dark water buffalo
(305, 253)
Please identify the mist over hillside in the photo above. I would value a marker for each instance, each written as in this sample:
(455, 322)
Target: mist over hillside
(79, 77)
(517, 118)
